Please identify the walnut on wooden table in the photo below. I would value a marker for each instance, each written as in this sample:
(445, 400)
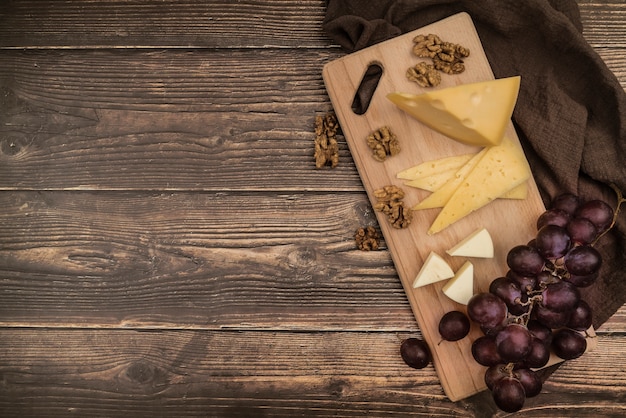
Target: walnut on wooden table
(446, 57)
(389, 200)
(326, 147)
(367, 238)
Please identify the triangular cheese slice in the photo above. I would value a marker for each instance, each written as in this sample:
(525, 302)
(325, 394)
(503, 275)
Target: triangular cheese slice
(429, 168)
(474, 114)
(441, 196)
(501, 169)
(461, 287)
(435, 269)
(477, 244)
(433, 182)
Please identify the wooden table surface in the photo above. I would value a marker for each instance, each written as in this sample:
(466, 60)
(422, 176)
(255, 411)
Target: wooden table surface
(167, 247)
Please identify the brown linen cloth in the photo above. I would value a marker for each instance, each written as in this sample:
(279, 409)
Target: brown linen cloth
(571, 111)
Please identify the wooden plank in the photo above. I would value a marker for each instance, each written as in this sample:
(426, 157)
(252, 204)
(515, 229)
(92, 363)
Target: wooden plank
(211, 24)
(410, 247)
(169, 23)
(192, 260)
(60, 372)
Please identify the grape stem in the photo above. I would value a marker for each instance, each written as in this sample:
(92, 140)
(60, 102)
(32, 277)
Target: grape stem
(620, 200)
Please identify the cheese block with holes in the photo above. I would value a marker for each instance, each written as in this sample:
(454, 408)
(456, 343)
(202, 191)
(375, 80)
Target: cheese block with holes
(474, 114)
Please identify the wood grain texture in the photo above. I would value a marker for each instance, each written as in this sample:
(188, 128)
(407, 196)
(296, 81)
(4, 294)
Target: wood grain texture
(157, 257)
(225, 373)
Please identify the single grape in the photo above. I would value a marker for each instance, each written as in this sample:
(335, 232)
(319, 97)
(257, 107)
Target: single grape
(415, 353)
(553, 217)
(566, 202)
(526, 283)
(530, 380)
(508, 394)
(582, 231)
(550, 318)
(553, 241)
(486, 309)
(485, 352)
(525, 260)
(598, 212)
(513, 342)
(539, 354)
(582, 281)
(454, 325)
(495, 373)
(511, 293)
(568, 344)
(560, 296)
(581, 317)
(583, 260)
(539, 330)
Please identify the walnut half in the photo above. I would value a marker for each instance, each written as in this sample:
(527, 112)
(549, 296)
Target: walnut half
(383, 143)
(367, 239)
(326, 147)
(389, 201)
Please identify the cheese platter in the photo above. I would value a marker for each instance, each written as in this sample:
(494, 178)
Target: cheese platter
(511, 220)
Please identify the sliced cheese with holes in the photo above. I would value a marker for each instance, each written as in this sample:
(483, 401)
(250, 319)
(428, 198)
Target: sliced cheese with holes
(477, 244)
(435, 269)
(520, 192)
(442, 195)
(461, 287)
(501, 169)
(474, 114)
(429, 168)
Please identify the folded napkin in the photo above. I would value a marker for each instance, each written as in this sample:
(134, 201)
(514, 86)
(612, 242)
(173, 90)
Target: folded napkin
(571, 112)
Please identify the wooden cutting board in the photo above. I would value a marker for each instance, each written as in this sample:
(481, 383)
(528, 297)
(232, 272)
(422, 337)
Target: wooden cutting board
(510, 222)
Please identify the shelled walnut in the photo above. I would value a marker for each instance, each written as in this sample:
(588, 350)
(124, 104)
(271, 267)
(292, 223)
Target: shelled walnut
(426, 75)
(389, 201)
(383, 143)
(447, 57)
(326, 147)
(367, 239)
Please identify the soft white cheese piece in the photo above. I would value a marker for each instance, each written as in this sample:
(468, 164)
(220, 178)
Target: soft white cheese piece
(435, 269)
(461, 287)
(477, 244)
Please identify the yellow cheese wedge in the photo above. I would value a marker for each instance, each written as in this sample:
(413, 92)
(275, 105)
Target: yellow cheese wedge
(432, 182)
(474, 114)
(520, 192)
(502, 168)
(477, 244)
(461, 287)
(442, 195)
(435, 269)
(429, 168)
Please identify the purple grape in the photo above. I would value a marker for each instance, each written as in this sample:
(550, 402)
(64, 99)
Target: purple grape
(530, 380)
(581, 317)
(553, 241)
(568, 344)
(582, 231)
(415, 353)
(598, 212)
(550, 318)
(508, 394)
(495, 373)
(539, 354)
(561, 296)
(510, 292)
(526, 283)
(539, 330)
(553, 217)
(583, 260)
(485, 352)
(567, 202)
(454, 325)
(582, 281)
(486, 309)
(513, 342)
(525, 260)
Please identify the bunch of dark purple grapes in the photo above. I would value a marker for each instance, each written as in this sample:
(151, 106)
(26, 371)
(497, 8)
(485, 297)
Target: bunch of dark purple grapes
(536, 308)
